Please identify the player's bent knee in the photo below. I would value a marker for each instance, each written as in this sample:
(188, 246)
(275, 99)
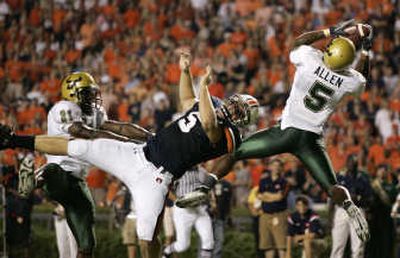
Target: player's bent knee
(181, 245)
(339, 194)
(78, 148)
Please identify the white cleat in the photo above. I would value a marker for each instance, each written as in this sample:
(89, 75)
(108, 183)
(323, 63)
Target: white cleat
(358, 220)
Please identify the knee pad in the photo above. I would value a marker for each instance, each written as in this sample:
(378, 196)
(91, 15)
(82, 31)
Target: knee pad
(78, 148)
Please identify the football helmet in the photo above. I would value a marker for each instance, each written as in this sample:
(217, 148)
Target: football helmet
(339, 54)
(82, 89)
(241, 109)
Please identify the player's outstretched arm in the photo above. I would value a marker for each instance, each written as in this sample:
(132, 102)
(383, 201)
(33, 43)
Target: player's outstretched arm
(186, 92)
(132, 131)
(366, 44)
(53, 145)
(208, 117)
(313, 36)
(80, 130)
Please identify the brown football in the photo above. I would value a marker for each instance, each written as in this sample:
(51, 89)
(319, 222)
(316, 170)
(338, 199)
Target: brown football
(356, 33)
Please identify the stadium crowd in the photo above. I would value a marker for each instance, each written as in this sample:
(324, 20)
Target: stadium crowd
(130, 48)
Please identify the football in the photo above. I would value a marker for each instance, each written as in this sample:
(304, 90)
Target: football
(357, 32)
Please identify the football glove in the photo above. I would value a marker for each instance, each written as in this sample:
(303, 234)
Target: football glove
(366, 42)
(338, 30)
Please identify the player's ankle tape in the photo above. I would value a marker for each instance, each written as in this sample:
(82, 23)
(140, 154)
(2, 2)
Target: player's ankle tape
(22, 141)
(210, 181)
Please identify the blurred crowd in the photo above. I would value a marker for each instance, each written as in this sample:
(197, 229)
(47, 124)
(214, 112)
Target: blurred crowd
(130, 48)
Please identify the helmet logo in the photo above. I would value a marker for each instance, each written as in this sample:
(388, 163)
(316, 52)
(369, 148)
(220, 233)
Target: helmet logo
(72, 83)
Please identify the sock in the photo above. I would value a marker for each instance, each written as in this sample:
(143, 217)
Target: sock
(204, 253)
(24, 141)
(210, 181)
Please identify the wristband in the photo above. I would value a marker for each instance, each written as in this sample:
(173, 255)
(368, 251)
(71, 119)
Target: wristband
(326, 32)
(365, 52)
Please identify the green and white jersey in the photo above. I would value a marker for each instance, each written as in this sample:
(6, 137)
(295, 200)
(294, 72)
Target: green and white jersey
(316, 90)
(59, 119)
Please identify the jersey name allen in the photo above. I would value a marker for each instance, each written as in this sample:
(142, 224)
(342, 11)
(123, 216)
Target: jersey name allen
(327, 76)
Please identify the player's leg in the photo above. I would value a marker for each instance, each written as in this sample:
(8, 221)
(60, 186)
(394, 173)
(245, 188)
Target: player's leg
(357, 246)
(73, 194)
(183, 221)
(340, 233)
(203, 225)
(61, 226)
(310, 150)
(149, 192)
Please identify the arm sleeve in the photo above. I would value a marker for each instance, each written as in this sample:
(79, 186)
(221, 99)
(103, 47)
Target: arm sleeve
(300, 54)
(359, 84)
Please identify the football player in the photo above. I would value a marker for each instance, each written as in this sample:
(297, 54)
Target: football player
(186, 218)
(63, 177)
(202, 133)
(321, 80)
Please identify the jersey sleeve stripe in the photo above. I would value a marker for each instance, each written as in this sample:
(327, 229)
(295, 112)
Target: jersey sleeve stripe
(230, 140)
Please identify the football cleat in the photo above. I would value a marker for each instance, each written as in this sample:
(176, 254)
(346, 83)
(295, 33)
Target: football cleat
(27, 181)
(357, 220)
(164, 255)
(6, 137)
(193, 199)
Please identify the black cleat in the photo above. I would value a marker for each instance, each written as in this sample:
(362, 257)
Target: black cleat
(6, 137)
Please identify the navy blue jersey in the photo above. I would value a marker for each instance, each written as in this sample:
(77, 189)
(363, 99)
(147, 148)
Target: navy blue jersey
(184, 143)
(298, 224)
(273, 186)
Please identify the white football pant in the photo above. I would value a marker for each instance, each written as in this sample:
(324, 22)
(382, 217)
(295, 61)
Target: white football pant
(184, 219)
(126, 161)
(341, 230)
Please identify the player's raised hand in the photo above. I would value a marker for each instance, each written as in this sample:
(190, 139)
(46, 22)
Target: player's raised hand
(207, 77)
(185, 59)
(339, 29)
(366, 40)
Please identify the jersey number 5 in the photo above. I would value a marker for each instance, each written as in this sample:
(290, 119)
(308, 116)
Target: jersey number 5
(187, 123)
(317, 97)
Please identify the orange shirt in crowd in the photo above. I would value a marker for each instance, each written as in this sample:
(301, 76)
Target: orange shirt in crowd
(179, 33)
(256, 171)
(96, 178)
(9, 157)
(34, 17)
(112, 190)
(87, 32)
(58, 17)
(238, 37)
(217, 89)
(131, 18)
(172, 73)
(72, 56)
(225, 49)
(338, 158)
(376, 154)
(123, 112)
